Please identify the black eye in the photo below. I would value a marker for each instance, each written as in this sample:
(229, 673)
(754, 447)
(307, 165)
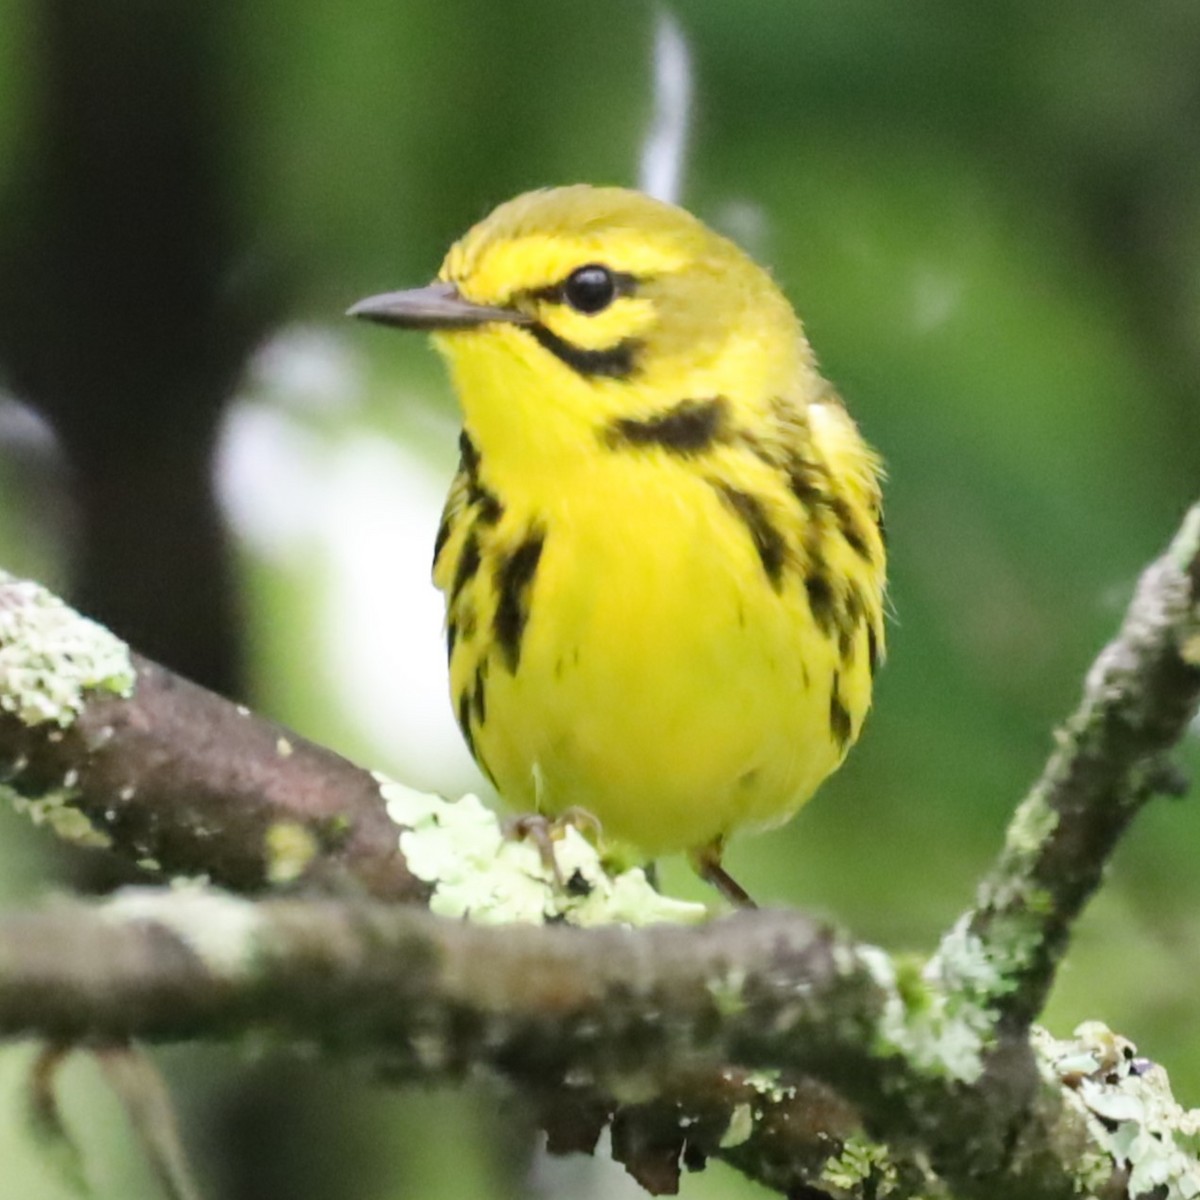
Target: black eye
(590, 289)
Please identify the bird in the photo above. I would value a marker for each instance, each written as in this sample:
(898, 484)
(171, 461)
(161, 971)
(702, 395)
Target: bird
(663, 552)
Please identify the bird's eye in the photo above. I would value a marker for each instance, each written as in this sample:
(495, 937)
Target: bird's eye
(590, 289)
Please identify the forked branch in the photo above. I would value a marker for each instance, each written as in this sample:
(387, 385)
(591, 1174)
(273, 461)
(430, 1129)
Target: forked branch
(938, 1063)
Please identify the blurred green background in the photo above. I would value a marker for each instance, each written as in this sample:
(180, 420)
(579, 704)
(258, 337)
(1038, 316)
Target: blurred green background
(989, 217)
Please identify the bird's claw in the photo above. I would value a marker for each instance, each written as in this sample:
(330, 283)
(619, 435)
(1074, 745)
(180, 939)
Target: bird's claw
(544, 831)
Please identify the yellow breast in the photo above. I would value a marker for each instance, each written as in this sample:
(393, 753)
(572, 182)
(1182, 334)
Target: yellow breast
(682, 645)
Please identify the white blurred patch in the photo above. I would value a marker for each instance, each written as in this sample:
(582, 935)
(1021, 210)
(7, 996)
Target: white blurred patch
(25, 433)
(269, 468)
(665, 146)
(384, 650)
(308, 367)
(936, 296)
(1115, 596)
(353, 514)
(745, 222)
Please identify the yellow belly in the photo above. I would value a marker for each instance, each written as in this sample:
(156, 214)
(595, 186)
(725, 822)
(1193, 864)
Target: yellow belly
(665, 684)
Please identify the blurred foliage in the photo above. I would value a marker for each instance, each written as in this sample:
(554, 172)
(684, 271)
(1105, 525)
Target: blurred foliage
(990, 220)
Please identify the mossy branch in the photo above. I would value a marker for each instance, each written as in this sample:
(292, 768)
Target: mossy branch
(631, 1012)
(1138, 699)
(937, 1062)
(113, 751)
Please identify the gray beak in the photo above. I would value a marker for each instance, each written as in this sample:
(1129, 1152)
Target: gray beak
(438, 306)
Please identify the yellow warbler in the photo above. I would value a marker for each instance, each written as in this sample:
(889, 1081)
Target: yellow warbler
(662, 554)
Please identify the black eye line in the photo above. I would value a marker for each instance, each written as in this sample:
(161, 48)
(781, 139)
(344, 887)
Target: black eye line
(624, 284)
(616, 362)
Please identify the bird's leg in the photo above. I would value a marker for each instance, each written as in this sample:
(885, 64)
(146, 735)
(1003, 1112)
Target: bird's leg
(544, 831)
(706, 862)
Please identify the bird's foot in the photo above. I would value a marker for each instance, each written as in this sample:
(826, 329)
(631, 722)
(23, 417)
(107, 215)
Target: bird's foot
(544, 831)
(706, 862)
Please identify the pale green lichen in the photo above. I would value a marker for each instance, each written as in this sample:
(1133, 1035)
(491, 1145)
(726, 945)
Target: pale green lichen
(727, 992)
(964, 964)
(477, 872)
(769, 1084)
(56, 811)
(1032, 823)
(1131, 1113)
(51, 657)
(1189, 649)
(740, 1127)
(862, 1168)
(943, 1016)
(936, 1017)
(290, 849)
(1015, 906)
(220, 929)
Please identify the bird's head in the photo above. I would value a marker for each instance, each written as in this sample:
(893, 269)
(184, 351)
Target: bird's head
(571, 308)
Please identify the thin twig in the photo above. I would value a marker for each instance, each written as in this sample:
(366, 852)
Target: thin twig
(1138, 699)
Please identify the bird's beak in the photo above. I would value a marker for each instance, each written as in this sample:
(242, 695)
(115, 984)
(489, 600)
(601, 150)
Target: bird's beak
(438, 306)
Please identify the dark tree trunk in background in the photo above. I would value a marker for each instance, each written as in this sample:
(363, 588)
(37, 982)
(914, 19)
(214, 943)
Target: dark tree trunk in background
(118, 318)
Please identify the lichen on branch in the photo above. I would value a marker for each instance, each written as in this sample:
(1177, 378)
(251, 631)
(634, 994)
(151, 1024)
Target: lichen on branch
(1108, 761)
(804, 1058)
(51, 657)
(108, 749)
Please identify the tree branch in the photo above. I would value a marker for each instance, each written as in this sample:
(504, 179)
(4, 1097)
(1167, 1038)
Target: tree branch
(614, 1009)
(1138, 699)
(172, 775)
(936, 1062)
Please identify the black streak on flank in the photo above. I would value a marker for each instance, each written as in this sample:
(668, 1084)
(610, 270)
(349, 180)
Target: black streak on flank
(451, 636)
(443, 535)
(614, 362)
(468, 564)
(488, 507)
(690, 427)
(514, 576)
(849, 527)
(489, 510)
(464, 721)
(479, 699)
(847, 636)
(839, 718)
(820, 595)
(468, 456)
(872, 649)
(768, 541)
(851, 618)
(807, 481)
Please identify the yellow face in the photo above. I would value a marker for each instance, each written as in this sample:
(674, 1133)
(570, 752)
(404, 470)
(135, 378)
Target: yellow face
(570, 307)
